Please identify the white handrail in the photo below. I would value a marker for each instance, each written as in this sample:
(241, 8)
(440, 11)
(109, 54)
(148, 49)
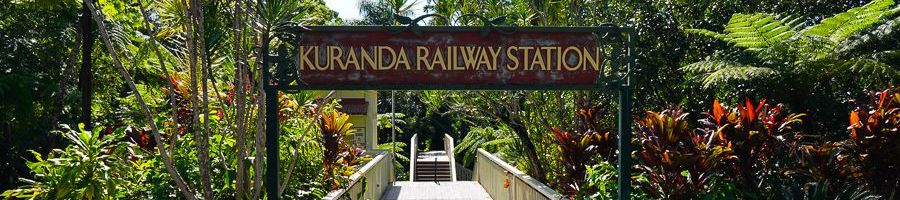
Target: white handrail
(377, 177)
(448, 147)
(503, 181)
(413, 148)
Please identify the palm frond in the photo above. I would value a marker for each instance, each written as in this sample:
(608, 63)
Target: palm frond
(843, 25)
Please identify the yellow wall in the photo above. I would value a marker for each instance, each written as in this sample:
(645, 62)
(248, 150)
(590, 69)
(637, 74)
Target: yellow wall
(369, 122)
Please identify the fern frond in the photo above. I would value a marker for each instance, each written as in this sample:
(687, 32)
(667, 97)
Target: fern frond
(892, 56)
(843, 25)
(707, 33)
(736, 73)
(758, 30)
(714, 72)
(871, 67)
(754, 31)
(709, 66)
(865, 41)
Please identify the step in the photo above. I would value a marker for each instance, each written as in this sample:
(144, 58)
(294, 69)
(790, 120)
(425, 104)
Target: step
(423, 173)
(432, 175)
(439, 180)
(432, 170)
(432, 162)
(432, 166)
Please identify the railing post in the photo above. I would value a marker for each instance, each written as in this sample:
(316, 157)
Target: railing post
(449, 146)
(413, 148)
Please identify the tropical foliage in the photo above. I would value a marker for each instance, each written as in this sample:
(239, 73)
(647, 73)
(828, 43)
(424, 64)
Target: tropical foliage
(98, 165)
(677, 162)
(825, 60)
(170, 94)
(339, 156)
(874, 142)
(780, 45)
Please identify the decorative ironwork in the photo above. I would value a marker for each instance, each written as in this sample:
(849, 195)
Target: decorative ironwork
(497, 24)
(412, 24)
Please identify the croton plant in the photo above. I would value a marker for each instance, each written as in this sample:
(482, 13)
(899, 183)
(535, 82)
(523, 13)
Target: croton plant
(754, 138)
(874, 144)
(676, 162)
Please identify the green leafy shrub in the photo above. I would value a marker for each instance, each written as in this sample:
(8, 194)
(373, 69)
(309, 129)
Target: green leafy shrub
(90, 167)
(600, 183)
(487, 138)
(578, 149)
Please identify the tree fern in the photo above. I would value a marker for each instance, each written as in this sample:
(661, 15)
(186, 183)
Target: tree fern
(714, 72)
(872, 67)
(779, 45)
(754, 31)
(843, 25)
(884, 35)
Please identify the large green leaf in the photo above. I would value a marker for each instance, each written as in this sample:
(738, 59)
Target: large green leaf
(843, 25)
(754, 31)
(715, 72)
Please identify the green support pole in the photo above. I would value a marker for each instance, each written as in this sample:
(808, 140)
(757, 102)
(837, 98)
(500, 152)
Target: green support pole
(271, 134)
(271, 143)
(624, 126)
(624, 120)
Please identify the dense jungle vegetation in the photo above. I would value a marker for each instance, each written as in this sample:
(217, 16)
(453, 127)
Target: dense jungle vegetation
(734, 99)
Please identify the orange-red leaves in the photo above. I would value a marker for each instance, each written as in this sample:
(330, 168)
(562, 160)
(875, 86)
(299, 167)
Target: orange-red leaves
(718, 111)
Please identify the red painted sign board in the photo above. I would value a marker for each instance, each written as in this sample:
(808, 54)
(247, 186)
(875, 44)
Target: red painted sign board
(329, 57)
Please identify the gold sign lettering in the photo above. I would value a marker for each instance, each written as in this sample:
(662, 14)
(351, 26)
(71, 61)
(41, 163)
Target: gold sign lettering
(450, 58)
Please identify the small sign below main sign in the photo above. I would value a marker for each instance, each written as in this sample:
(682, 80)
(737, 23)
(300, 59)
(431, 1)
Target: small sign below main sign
(448, 57)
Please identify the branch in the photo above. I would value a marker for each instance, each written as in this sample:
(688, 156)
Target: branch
(182, 186)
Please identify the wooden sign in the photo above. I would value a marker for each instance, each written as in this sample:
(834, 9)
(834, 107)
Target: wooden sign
(448, 58)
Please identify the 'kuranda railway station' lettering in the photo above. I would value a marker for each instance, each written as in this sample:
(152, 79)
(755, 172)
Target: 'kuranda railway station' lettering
(450, 58)
(365, 57)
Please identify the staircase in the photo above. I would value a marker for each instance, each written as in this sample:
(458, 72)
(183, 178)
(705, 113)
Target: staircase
(433, 166)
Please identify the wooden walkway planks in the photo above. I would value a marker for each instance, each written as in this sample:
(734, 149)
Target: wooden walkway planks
(460, 190)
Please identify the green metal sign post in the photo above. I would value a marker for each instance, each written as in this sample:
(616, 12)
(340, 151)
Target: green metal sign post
(489, 57)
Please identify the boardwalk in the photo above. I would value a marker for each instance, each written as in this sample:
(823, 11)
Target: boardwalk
(459, 190)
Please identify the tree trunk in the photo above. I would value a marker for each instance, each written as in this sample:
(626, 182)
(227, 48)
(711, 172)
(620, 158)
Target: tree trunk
(258, 162)
(537, 171)
(86, 75)
(507, 113)
(170, 166)
(203, 142)
(240, 101)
